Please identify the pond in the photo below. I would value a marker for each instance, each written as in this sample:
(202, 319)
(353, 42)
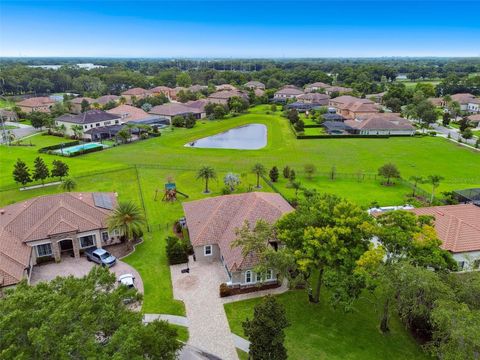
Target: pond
(247, 137)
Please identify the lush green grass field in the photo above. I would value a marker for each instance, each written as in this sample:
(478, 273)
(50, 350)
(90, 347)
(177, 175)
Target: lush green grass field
(160, 158)
(318, 332)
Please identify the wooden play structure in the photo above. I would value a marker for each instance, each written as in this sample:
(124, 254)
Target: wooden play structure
(171, 191)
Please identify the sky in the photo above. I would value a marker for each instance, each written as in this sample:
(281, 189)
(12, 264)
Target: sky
(239, 29)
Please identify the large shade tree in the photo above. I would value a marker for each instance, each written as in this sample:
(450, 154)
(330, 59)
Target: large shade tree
(326, 234)
(400, 236)
(80, 318)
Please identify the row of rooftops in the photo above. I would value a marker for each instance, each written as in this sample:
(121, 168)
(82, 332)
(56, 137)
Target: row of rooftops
(210, 221)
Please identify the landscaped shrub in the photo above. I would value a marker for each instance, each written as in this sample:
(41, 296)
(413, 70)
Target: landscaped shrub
(46, 149)
(176, 252)
(85, 151)
(225, 290)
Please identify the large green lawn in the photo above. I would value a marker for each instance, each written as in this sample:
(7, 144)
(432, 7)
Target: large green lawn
(163, 157)
(318, 332)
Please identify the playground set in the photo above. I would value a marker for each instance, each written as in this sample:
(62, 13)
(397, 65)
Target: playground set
(171, 191)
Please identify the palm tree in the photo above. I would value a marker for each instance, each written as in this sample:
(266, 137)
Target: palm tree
(206, 173)
(68, 185)
(416, 180)
(259, 170)
(128, 219)
(77, 131)
(435, 181)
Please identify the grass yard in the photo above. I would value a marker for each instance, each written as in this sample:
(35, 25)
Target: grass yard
(410, 83)
(318, 332)
(327, 333)
(315, 131)
(363, 192)
(6, 103)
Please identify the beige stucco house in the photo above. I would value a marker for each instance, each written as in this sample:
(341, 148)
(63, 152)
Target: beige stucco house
(212, 223)
(50, 227)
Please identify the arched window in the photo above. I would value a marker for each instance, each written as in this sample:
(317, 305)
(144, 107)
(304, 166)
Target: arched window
(248, 277)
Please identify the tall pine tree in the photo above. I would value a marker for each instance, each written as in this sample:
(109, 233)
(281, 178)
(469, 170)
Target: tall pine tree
(265, 330)
(59, 169)
(40, 171)
(21, 173)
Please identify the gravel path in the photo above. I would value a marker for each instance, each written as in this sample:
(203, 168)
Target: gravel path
(208, 325)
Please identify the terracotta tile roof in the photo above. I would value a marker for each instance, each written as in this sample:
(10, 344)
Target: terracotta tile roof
(129, 113)
(314, 97)
(339, 89)
(173, 109)
(161, 89)
(289, 90)
(36, 101)
(474, 118)
(463, 98)
(197, 104)
(380, 121)
(102, 100)
(318, 84)
(79, 100)
(436, 101)
(255, 84)
(136, 92)
(457, 226)
(227, 94)
(351, 103)
(225, 87)
(197, 88)
(214, 221)
(40, 218)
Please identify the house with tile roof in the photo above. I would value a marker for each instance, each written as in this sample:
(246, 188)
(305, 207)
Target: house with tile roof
(46, 228)
(40, 104)
(287, 92)
(77, 104)
(474, 120)
(316, 86)
(171, 110)
(380, 124)
(314, 98)
(212, 223)
(88, 120)
(351, 107)
(254, 85)
(135, 94)
(458, 227)
(468, 102)
(105, 99)
(222, 97)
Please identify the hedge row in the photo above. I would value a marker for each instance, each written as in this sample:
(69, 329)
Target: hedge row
(85, 151)
(58, 146)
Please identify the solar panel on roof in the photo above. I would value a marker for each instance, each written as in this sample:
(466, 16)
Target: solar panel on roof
(103, 201)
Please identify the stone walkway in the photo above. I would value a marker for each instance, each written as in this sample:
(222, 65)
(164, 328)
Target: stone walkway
(208, 325)
(172, 319)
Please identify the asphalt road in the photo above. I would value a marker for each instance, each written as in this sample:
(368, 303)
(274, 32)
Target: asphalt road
(21, 131)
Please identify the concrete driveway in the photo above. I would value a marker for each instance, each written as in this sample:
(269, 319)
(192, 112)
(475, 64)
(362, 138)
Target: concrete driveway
(199, 290)
(78, 268)
(21, 131)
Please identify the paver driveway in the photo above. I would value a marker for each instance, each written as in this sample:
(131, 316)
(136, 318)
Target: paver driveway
(208, 324)
(78, 268)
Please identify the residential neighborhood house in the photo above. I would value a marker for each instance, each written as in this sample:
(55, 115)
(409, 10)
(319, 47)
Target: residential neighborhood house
(8, 115)
(90, 120)
(468, 102)
(380, 124)
(77, 104)
(50, 227)
(212, 223)
(171, 110)
(254, 85)
(222, 97)
(458, 227)
(287, 92)
(135, 93)
(351, 107)
(40, 104)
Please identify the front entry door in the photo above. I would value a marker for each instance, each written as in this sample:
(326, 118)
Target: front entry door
(66, 245)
